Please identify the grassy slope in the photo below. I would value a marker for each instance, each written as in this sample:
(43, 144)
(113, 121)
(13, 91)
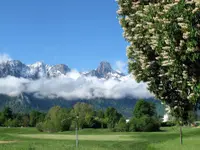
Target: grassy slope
(30, 139)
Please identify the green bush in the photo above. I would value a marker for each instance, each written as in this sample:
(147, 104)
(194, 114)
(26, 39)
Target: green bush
(145, 118)
(121, 126)
(49, 126)
(39, 127)
(11, 123)
(65, 124)
(144, 124)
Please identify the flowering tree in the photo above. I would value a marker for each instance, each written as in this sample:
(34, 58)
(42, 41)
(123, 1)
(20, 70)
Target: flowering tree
(164, 50)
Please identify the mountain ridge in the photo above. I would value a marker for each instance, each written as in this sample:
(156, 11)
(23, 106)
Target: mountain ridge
(40, 70)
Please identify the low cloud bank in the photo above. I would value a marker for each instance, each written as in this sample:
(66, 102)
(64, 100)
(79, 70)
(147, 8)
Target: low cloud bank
(75, 86)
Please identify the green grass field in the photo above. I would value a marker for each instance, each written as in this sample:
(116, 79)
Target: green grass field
(91, 139)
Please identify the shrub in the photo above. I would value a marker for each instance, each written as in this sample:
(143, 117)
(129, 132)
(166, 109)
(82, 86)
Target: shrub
(144, 124)
(39, 127)
(65, 124)
(51, 126)
(121, 126)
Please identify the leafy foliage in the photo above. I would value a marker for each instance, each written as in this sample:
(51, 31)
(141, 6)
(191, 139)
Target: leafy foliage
(82, 115)
(144, 108)
(8, 118)
(57, 119)
(144, 117)
(61, 119)
(164, 49)
(144, 124)
(112, 117)
(85, 113)
(121, 126)
(36, 117)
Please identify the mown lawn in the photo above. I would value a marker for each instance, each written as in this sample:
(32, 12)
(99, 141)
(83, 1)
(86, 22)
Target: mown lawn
(91, 139)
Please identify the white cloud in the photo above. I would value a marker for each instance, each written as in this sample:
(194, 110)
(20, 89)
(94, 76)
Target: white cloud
(121, 66)
(74, 86)
(4, 58)
(78, 87)
(12, 86)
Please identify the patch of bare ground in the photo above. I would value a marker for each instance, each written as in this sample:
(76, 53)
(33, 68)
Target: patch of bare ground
(7, 142)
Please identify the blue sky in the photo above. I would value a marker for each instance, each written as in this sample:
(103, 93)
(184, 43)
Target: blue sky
(74, 32)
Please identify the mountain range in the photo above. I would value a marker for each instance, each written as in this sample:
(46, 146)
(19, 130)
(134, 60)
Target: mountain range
(40, 70)
(24, 101)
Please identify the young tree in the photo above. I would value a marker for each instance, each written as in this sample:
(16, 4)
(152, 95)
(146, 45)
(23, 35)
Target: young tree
(85, 114)
(57, 119)
(164, 49)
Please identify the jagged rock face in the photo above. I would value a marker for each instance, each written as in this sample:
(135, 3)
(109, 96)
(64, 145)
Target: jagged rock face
(38, 70)
(13, 68)
(41, 70)
(34, 71)
(62, 68)
(105, 70)
(4, 70)
(17, 68)
(58, 70)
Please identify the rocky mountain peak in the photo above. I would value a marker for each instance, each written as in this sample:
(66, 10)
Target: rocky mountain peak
(14, 62)
(37, 64)
(62, 68)
(40, 70)
(57, 70)
(104, 68)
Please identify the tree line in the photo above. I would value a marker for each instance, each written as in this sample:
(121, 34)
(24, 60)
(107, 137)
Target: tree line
(83, 115)
(10, 119)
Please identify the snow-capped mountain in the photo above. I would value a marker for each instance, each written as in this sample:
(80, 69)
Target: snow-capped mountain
(41, 70)
(105, 70)
(15, 68)
(33, 71)
(38, 69)
(92, 87)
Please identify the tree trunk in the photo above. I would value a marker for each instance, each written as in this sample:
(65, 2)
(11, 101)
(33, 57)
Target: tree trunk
(181, 135)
